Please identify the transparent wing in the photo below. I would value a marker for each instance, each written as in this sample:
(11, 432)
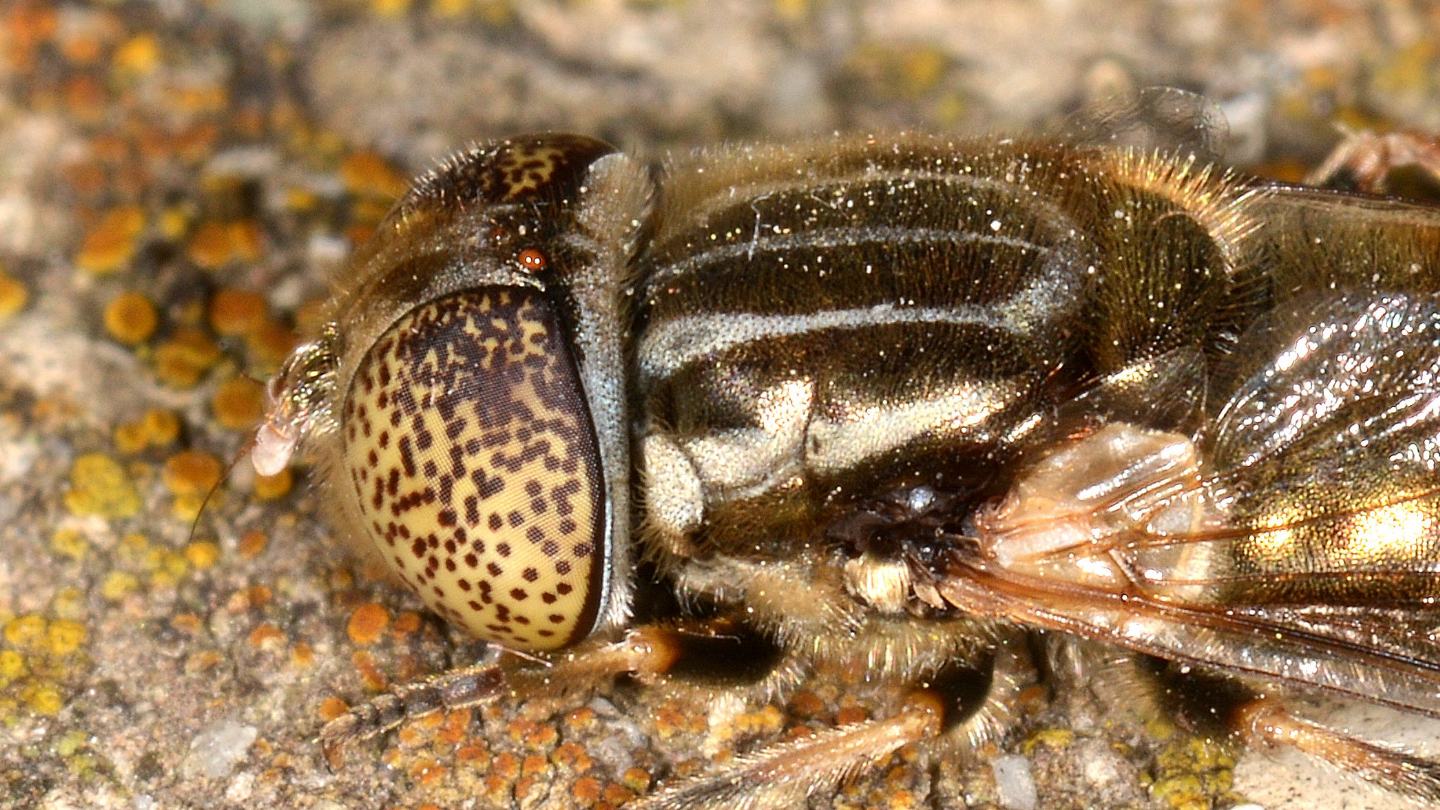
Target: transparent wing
(1164, 119)
(1298, 538)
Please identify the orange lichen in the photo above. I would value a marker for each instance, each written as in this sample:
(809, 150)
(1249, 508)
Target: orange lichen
(269, 345)
(252, 543)
(183, 359)
(367, 622)
(130, 318)
(100, 486)
(187, 623)
(636, 779)
(157, 427)
(617, 794)
(191, 472)
(266, 636)
(216, 244)
(851, 714)
(573, 756)
(472, 754)
(302, 655)
(368, 174)
(331, 708)
(112, 242)
(586, 791)
(370, 675)
(270, 487)
(236, 312)
(806, 704)
(137, 56)
(238, 403)
(13, 296)
(454, 728)
(406, 622)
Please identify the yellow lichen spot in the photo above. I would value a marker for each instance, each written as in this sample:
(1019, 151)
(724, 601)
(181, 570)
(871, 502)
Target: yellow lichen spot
(300, 200)
(450, 8)
(137, 55)
(117, 585)
(173, 566)
(1050, 738)
(71, 742)
(12, 667)
(183, 359)
(270, 487)
(130, 318)
(25, 632)
(130, 437)
(69, 543)
(367, 623)
(202, 554)
(368, 174)
(64, 637)
(111, 244)
(13, 296)
(191, 472)
(174, 221)
(69, 603)
(236, 312)
(162, 426)
(100, 486)
(390, 8)
(238, 403)
(43, 698)
(792, 9)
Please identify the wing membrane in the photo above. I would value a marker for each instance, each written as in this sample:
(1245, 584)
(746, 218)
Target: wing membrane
(1298, 539)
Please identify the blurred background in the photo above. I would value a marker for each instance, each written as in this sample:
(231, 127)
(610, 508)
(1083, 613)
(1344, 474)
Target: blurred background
(176, 181)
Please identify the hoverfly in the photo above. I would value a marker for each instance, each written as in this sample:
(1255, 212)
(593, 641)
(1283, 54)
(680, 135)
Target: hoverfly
(895, 403)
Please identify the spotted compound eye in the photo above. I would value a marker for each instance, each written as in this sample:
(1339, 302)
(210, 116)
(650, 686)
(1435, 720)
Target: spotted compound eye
(469, 444)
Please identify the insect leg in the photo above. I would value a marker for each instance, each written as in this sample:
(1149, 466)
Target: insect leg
(1267, 719)
(647, 653)
(1367, 160)
(959, 708)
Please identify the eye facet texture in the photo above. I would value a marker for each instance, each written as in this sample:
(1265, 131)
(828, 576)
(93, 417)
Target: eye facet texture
(470, 447)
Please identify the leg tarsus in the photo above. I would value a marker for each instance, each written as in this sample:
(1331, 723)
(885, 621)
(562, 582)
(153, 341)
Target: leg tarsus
(456, 689)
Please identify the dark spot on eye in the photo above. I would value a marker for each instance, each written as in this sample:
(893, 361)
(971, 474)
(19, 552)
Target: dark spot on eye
(494, 569)
(503, 549)
(446, 517)
(534, 535)
(532, 488)
(518, 594)
(564, 588)
(556, 618)
(584, 550)
(495, 522)
(551, 548)
(530, 574)
(464, 584)
(472, 560)
(548, 598)
(562, 568)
